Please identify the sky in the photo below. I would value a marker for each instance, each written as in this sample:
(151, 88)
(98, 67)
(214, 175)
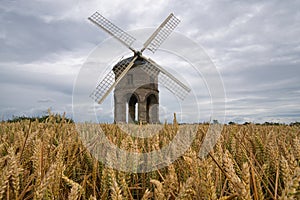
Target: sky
(254, 45)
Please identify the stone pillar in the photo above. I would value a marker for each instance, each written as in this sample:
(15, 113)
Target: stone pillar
(142, 111)
(120, 110)
(156, 110)
(154, 113)
(152, 108)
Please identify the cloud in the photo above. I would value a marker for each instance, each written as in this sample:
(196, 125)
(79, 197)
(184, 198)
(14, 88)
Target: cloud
(45, 101)
(254, 44)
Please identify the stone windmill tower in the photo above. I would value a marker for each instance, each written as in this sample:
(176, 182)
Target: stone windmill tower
(135, 79)
(136, 95)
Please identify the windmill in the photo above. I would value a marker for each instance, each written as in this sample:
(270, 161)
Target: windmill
(132, 103)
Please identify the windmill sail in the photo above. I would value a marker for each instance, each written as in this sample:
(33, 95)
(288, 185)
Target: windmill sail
(173, 85)
(112, 29)
(152, 44)
(103, 87)
(161, 34)
(110, 81)
(166, 79)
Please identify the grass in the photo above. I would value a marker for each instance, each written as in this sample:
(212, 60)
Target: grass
(47, 160)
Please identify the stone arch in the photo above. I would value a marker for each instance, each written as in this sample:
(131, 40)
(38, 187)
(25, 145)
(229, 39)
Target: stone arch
(132, 107)
(152, 108)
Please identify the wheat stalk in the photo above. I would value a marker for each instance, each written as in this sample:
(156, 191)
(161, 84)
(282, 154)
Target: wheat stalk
(238, 184)
(158, 191)
(291, 190)
(186, 190)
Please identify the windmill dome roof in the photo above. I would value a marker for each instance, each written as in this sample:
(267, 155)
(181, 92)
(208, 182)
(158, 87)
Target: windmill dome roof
(121, 65)
(126, 61)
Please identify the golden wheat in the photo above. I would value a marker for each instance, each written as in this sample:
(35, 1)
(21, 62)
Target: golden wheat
(49, 161)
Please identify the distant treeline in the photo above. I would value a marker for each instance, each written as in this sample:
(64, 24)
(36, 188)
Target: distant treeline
(62, 118)
(45, 118)
(268, 123)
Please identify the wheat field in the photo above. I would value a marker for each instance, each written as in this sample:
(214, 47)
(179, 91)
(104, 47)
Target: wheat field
(47, 160)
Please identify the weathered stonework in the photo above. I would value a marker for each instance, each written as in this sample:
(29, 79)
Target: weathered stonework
(136, 87)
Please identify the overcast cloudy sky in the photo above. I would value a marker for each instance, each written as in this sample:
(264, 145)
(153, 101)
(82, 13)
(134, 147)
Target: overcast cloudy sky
(254, 44)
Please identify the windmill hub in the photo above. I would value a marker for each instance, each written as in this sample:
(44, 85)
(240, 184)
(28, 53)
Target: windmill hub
(138, 53)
